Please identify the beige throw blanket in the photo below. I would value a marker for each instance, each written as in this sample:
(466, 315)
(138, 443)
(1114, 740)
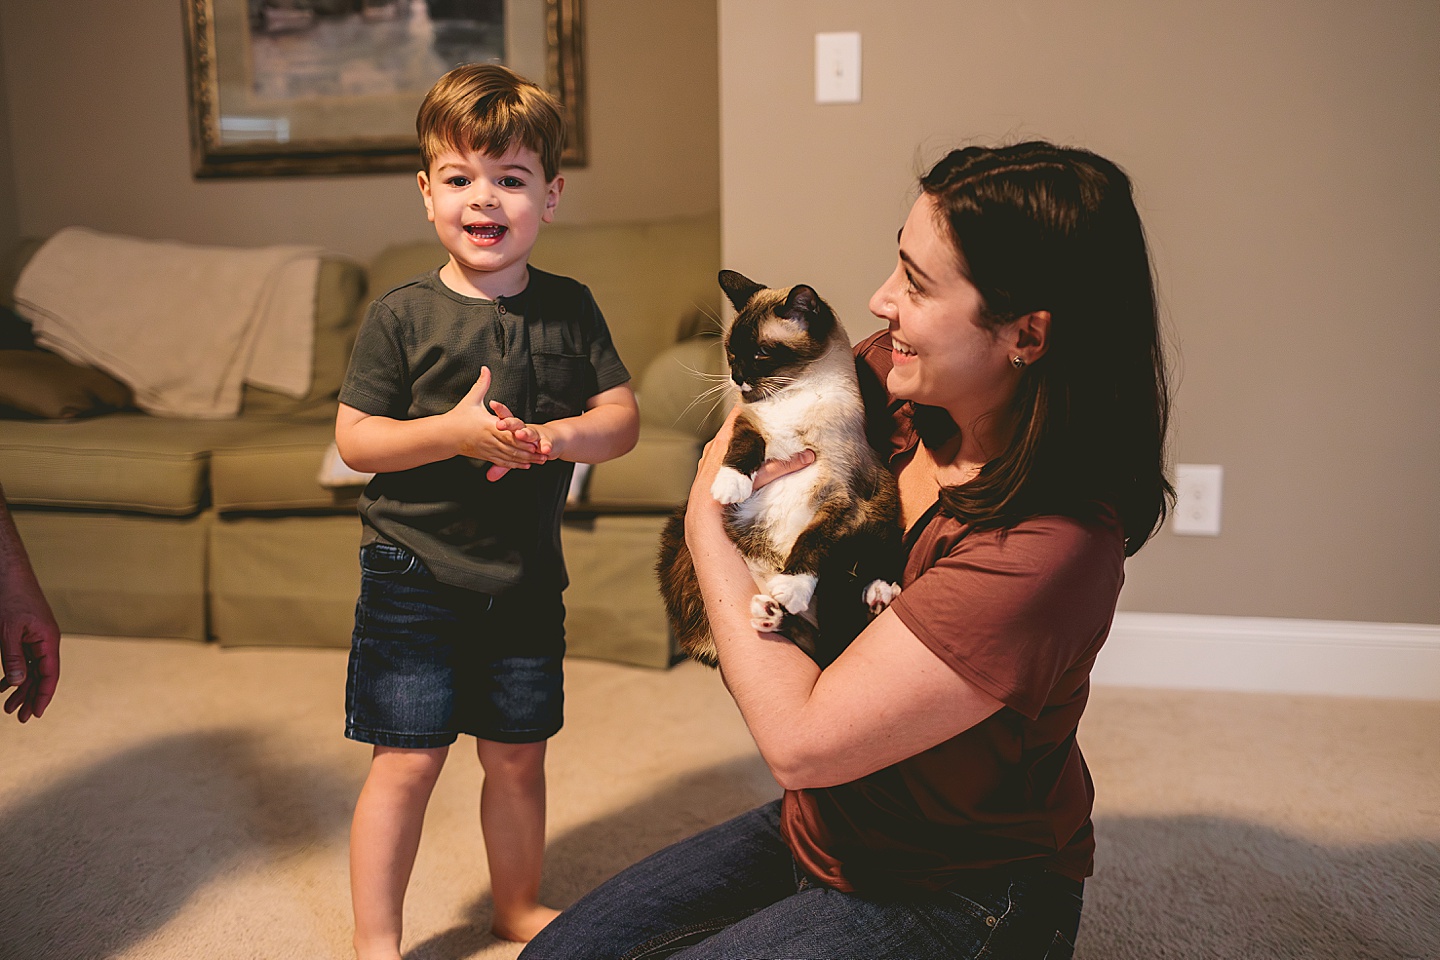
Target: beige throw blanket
(184, 326)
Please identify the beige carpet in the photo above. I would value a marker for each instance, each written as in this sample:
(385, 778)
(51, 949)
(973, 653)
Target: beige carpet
(183, 802)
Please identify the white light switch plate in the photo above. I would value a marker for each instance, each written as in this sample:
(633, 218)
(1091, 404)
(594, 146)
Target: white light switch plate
(837, 68)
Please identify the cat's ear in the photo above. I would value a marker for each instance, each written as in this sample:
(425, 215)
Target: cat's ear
(800, 306)
(739, 288)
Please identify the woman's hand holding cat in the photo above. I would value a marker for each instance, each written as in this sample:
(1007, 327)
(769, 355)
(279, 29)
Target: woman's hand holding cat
(769, 471)
(775, 469)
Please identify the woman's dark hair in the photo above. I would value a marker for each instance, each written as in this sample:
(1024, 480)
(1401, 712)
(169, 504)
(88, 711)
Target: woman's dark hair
(1041, 227)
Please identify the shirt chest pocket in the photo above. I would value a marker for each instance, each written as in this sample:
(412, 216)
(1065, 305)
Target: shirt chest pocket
(563, 383)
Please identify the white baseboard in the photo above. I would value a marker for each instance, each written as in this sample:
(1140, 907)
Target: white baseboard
(1272, 655)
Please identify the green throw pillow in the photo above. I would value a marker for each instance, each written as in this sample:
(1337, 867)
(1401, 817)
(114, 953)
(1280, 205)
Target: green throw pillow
(37, 383)
(15, 332)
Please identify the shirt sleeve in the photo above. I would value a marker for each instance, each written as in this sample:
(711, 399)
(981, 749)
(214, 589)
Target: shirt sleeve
(610, 371)
(377, 381)
(1012, 611)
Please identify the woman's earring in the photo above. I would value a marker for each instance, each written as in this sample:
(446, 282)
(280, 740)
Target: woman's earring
(1017, 362)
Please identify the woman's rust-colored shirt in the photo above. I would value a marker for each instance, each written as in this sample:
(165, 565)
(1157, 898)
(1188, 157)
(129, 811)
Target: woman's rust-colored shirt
(1020, 613)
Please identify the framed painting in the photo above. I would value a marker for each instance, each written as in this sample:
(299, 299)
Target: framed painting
(314, 87)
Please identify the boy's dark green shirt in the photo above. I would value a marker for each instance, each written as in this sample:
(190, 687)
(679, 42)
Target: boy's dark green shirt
(419, 350)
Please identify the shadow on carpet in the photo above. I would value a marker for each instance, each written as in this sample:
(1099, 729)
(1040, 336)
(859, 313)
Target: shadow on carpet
(580, 859)
(1212, 888)
(102, 859)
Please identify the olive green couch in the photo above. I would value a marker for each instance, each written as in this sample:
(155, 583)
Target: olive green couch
(221, 530)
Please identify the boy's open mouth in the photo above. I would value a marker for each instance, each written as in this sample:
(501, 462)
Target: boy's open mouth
(485, 231)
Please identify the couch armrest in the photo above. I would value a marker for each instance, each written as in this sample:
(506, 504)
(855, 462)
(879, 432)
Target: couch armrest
(682, 388)
(680, 410)
(658, 471)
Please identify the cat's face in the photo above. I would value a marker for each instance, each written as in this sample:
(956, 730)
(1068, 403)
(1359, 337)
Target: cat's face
(775, 336)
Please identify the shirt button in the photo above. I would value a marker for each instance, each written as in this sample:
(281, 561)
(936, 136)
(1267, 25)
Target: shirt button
(501, 308)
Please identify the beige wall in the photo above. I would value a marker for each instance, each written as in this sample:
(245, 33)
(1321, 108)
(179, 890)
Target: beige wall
(100, 137)
(9, 215)
(1286, 160)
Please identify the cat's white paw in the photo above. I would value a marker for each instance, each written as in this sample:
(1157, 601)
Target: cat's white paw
(731, 486)
(880, 594)
(793, 591)
(765, 614)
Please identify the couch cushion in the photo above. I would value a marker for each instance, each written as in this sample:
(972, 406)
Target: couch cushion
(276, 469)
(284, 580)
(658, 472)
(126, 461)
(120, 575)
(613, 609)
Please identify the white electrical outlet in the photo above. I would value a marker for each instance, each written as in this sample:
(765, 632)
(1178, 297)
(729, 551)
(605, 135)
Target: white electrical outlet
(1197, 499)
(837, 68)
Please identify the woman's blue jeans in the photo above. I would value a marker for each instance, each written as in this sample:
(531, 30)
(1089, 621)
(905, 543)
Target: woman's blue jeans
(734, 893)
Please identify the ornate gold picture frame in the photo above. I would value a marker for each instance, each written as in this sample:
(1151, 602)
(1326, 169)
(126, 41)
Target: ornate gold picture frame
(322, 87)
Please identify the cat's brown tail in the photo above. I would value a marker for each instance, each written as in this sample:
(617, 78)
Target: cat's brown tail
(681, 592)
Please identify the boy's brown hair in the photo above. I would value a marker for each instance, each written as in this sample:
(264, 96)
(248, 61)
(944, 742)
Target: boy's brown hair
(488, 107)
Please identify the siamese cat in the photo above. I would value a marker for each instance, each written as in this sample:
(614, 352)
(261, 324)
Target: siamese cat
(823, 542)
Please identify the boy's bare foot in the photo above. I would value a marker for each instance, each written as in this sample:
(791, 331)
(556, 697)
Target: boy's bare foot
(523, 926)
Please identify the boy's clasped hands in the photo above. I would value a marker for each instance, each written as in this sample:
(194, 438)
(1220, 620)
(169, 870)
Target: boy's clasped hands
(491, 432)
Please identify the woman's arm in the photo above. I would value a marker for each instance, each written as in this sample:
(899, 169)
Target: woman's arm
(887, 697)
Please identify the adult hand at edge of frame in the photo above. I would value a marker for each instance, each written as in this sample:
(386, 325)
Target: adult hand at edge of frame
(29, 646)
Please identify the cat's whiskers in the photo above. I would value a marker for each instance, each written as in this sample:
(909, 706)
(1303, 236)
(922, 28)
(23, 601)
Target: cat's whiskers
(718, 392)
(708, 312)
(705, 375)
(775, 384)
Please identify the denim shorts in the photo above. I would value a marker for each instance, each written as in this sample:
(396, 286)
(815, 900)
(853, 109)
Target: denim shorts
(429, 661)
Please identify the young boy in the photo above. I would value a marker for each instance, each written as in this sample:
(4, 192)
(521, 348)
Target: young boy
(471, 393)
